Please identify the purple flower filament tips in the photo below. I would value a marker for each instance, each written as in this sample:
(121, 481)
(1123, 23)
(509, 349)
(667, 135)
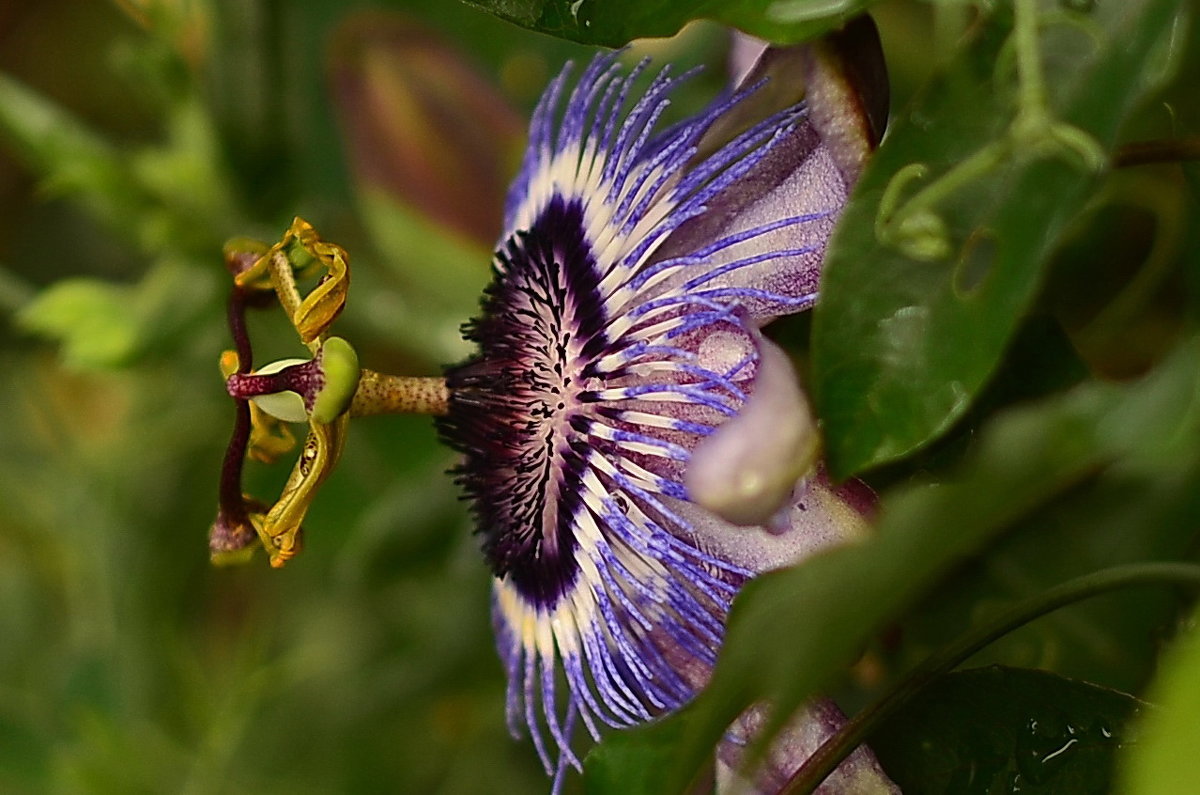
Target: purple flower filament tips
(619, 333)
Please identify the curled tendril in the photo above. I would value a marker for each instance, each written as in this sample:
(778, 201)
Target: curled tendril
(914, 227)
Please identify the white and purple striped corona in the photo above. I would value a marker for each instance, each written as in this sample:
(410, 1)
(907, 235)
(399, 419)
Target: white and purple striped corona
(621, 478)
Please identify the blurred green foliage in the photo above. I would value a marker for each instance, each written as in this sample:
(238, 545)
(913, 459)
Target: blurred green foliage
(1033, 418)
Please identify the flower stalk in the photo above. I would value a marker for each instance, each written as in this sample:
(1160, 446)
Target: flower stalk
(380, 393)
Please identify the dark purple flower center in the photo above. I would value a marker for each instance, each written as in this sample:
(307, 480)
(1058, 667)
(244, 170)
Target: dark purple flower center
(512, 405)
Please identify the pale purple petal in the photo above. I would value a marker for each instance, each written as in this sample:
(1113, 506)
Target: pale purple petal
(797, 179)
(808, 174)
(848, 93)
(817, 517)
(744, 52)
(807, 730)
(744, 472)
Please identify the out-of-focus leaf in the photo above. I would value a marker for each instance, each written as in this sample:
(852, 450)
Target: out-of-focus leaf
(253, 95)
(902, 345)
(1114, 283)
(438, 261)
(15, 292)
(1164, 761)
(73, 159)
(194, 205)
(1125, 514)
(996, 730)
(612, 23)
(440, 276)
(103, 325)
(171, 197)
(780, 650)
(89, 317)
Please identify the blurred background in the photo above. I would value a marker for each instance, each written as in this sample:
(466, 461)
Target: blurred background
(136, 136)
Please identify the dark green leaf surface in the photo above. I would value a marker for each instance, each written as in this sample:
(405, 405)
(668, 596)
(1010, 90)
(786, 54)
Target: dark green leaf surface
(628, 765)
(612, 23)
(998, 730)
(901, 346)
(779, 651)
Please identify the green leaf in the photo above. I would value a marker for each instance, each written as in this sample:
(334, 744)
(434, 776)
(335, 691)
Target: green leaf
(1125, 514)
(910, 328)
(103, 325)
(89, 317)
(1164, 762)
(72, 158)
(1120, 517)
(612, 23)
(1002, 729)
(627, 764)
(792, 631)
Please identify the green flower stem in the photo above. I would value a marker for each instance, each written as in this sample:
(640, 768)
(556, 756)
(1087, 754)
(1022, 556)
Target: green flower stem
(914, 227)
(852, 734)
(1029, 68)
(1035, 126)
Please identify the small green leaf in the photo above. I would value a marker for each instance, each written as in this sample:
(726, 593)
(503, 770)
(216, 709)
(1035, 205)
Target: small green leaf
(612, 23)
(90, 318)
(1002, 729)
(1165, 762)
(918, 305)
(102, 325)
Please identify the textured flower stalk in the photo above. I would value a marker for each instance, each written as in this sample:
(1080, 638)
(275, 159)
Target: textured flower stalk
(379, 393)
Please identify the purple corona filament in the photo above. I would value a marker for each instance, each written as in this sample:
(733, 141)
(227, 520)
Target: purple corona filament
(616, 335)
